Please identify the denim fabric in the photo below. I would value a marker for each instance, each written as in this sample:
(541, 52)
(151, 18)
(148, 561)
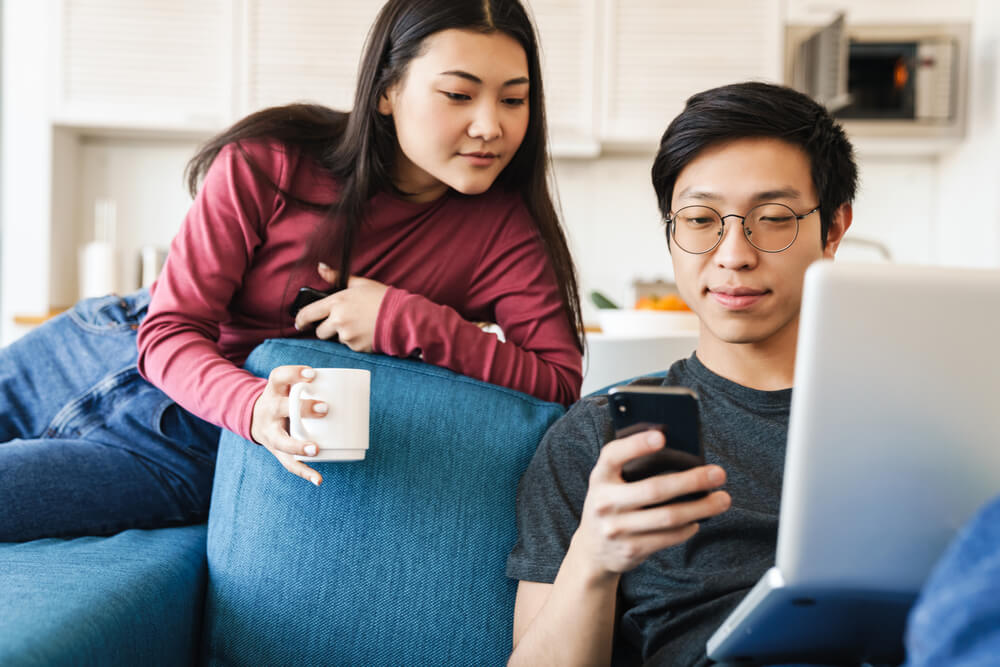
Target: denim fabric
(87, 446)
(956, 620)
(131, 599)
(395, 560)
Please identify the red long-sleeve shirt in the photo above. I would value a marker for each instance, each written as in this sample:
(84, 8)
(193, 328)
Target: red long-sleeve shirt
(234, 267)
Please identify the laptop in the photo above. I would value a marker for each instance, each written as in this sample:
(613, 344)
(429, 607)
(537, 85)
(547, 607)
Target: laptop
(893, 443)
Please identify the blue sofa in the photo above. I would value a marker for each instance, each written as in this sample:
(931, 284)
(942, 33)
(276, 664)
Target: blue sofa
(398, 559)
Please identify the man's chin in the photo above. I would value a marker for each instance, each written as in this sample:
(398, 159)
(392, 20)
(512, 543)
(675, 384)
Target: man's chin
(742, 333)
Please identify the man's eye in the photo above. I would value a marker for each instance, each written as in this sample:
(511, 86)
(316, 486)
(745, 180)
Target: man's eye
(775, 220)
(457, 97)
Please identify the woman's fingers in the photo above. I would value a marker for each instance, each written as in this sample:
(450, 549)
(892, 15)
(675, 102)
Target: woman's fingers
(298, 468)
(281, 379)
(326, 273)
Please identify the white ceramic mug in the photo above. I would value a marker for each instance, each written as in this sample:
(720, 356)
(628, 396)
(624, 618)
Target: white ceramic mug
(342, 433)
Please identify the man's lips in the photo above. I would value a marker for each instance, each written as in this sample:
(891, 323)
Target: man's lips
(737, 297)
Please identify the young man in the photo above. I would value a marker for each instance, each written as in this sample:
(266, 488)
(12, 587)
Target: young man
(755, 182)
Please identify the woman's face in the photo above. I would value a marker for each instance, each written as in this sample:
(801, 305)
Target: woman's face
(460, 111)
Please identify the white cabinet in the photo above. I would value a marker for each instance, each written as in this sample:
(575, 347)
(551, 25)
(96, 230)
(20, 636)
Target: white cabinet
(305, 50)
(616, 71)
(660, 52)
(150, 64)
(569, 38)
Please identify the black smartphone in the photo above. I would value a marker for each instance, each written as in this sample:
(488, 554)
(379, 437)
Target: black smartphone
(671, 410)
(306, 296)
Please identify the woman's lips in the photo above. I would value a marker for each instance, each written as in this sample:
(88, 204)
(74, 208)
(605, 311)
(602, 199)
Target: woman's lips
(480, 159)
(737, 298)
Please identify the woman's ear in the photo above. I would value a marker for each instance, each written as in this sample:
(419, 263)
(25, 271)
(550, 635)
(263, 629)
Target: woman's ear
(385, 101)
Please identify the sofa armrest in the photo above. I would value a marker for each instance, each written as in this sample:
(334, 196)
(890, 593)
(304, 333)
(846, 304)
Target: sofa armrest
(397, 559)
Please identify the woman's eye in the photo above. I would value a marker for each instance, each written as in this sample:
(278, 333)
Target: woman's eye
(457, 97)
(514, 101)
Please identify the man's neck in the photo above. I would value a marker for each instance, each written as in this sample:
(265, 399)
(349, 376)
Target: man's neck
(767, 366)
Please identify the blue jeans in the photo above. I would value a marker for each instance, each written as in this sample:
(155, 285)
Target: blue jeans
(87, 446)
(956, 620)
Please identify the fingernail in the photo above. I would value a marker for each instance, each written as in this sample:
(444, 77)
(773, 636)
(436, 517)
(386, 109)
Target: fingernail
(654, 438)
(324, 266)
(308, 373)
(321, 408)
(311, 450)
(296, 325)
(314, 480)
(716, 476)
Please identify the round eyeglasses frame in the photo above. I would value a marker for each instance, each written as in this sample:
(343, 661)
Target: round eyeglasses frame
(671, 218)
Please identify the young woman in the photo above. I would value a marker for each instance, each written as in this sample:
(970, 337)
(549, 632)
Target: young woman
(427, 206)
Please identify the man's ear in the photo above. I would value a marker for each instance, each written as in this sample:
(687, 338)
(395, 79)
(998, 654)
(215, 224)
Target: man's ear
(842, 219)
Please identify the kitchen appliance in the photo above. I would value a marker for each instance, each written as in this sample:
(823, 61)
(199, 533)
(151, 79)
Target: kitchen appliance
(892, 80)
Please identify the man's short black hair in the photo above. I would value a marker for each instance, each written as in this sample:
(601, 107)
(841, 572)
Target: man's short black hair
(755, 109)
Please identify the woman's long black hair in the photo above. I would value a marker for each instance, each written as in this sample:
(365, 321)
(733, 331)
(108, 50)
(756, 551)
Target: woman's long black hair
(358, 148)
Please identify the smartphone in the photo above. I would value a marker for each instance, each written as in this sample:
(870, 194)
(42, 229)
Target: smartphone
(306, 296)
(671, 410)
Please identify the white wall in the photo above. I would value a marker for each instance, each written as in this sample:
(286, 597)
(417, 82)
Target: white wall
(26, 156)
(144, 178)
(967, 229)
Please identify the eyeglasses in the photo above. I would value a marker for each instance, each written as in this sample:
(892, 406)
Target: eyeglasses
(767, 227)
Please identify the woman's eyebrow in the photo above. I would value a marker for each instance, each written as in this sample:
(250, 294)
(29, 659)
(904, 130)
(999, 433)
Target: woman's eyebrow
(475, 79)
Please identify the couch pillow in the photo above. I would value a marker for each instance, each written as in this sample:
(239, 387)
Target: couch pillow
(395, 560)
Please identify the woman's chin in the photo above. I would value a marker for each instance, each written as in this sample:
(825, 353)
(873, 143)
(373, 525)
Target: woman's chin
(471, 186)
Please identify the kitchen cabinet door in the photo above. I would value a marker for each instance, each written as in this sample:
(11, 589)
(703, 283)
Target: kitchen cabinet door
(155, 63)
(303, 50)
(569, 45)
(659, 52)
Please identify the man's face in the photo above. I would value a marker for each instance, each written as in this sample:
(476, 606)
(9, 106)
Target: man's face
(741, 294)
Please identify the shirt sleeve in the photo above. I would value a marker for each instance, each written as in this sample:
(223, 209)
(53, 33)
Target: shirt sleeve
(178, 340)
(551, 493)
(515, 280)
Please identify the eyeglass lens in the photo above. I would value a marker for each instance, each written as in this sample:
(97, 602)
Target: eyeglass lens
(768, 227)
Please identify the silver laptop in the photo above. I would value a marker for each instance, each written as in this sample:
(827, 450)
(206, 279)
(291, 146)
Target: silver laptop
(893, 443)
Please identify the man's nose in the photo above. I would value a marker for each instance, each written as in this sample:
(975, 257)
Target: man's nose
(734, 250)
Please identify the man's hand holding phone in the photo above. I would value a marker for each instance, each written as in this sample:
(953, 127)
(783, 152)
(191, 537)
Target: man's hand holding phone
(623, 523)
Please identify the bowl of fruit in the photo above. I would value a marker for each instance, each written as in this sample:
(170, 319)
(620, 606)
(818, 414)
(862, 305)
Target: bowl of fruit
(652, 315)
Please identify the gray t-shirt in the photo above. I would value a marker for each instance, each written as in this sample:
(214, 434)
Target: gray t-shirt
(671, 604)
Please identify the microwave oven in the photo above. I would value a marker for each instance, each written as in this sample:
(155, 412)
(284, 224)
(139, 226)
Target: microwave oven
(889, 80)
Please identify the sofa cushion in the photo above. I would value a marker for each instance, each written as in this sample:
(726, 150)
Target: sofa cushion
(134, 598)
(397, 559)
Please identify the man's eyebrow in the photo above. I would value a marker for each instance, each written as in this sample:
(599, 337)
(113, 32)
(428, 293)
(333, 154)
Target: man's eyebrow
(763, 196)
(692, 193)
(782, 193)
(475, 79)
